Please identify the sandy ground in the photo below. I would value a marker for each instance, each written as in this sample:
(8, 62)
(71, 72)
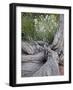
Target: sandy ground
(61, 68)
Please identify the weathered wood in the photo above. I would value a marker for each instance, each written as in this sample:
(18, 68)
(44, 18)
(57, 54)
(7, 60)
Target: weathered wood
(45, 70)
(50, 67)
(31, 63)
(27, 48)
(31, 48)
(53, 55)
(33, 58)
(29, 68)
(37, 47)
(58, 41)
(42, 43)
(61, 60)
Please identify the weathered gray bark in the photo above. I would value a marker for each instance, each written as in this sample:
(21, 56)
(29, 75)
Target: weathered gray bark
(50, 67)
(29, 68)
(33, 65)
(31, 47)
(58, 42)
(42, 43)
(33, 58)
(27, 48)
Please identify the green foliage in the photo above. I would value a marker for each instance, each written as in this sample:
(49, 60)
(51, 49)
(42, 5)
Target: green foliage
(37, 26)
(27, 26)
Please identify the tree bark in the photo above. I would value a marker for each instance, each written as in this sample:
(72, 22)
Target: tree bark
(51, 67)
(58, 42)
(27, 48)
(33, 58)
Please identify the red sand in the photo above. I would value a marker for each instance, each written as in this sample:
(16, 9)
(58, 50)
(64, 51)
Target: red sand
(61, 68)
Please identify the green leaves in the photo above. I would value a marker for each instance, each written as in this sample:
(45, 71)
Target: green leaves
(37, 26)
